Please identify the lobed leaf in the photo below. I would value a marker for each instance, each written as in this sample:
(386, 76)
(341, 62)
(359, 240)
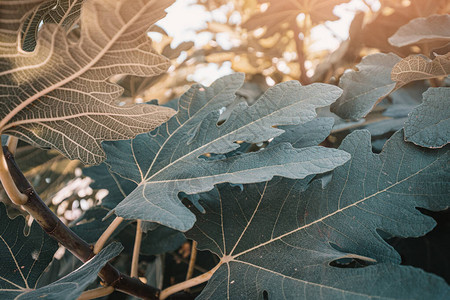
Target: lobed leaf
(58, 95)
(286, 238)
(364, 88)
(172, 159)
(428, 125)
(422, 30)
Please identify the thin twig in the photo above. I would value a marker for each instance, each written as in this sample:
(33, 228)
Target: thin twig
(96, 293)
(54, 227)
(106, 234)
(188, 283)
(183, 260)
(190, 270)
(136, 250)
(11, 143)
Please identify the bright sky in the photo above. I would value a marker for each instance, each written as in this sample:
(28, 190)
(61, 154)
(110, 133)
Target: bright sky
(183, 19)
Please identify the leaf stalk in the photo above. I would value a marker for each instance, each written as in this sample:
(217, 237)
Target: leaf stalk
(189, 283)
(106, 234)
(136, 250)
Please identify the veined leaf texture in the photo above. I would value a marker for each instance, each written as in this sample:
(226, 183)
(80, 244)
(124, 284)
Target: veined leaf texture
(283, 236)
(58, 95)
(172, 159)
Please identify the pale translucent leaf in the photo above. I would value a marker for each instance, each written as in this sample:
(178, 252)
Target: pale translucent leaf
(12, 16)
(62, 12)
(421, 30)
(58, 95)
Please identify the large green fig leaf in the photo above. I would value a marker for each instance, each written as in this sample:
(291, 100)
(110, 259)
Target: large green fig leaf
(175, 158)
(58, 95)
(422, 30)
(72, 285)
(364, 88)
(428, 125)
(285, 239)
(23, 257)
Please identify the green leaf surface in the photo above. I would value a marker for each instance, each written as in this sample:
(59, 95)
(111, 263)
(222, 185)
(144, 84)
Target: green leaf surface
(404, 100)
(172, 159)
(286, 238)
(59, 96)
(71, 286)
(428, 125)
(364, 88)
(308, 134)
(24, 257)
(385, 126)
(422, 30)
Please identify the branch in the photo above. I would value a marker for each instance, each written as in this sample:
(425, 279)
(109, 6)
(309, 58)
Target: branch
(136, 250)
(189, 283)
(66, 237)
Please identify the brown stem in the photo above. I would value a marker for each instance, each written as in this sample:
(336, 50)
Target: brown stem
(66, 237)
(304, 79)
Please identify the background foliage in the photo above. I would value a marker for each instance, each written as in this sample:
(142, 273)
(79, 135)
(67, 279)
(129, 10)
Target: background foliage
(344, 212)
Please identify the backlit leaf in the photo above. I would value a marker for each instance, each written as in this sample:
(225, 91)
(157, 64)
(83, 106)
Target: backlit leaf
(419, 67)
(280, 12)
(286, 239)
(172, 159)
(62, 12)
(421, 30)
(58, 95)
